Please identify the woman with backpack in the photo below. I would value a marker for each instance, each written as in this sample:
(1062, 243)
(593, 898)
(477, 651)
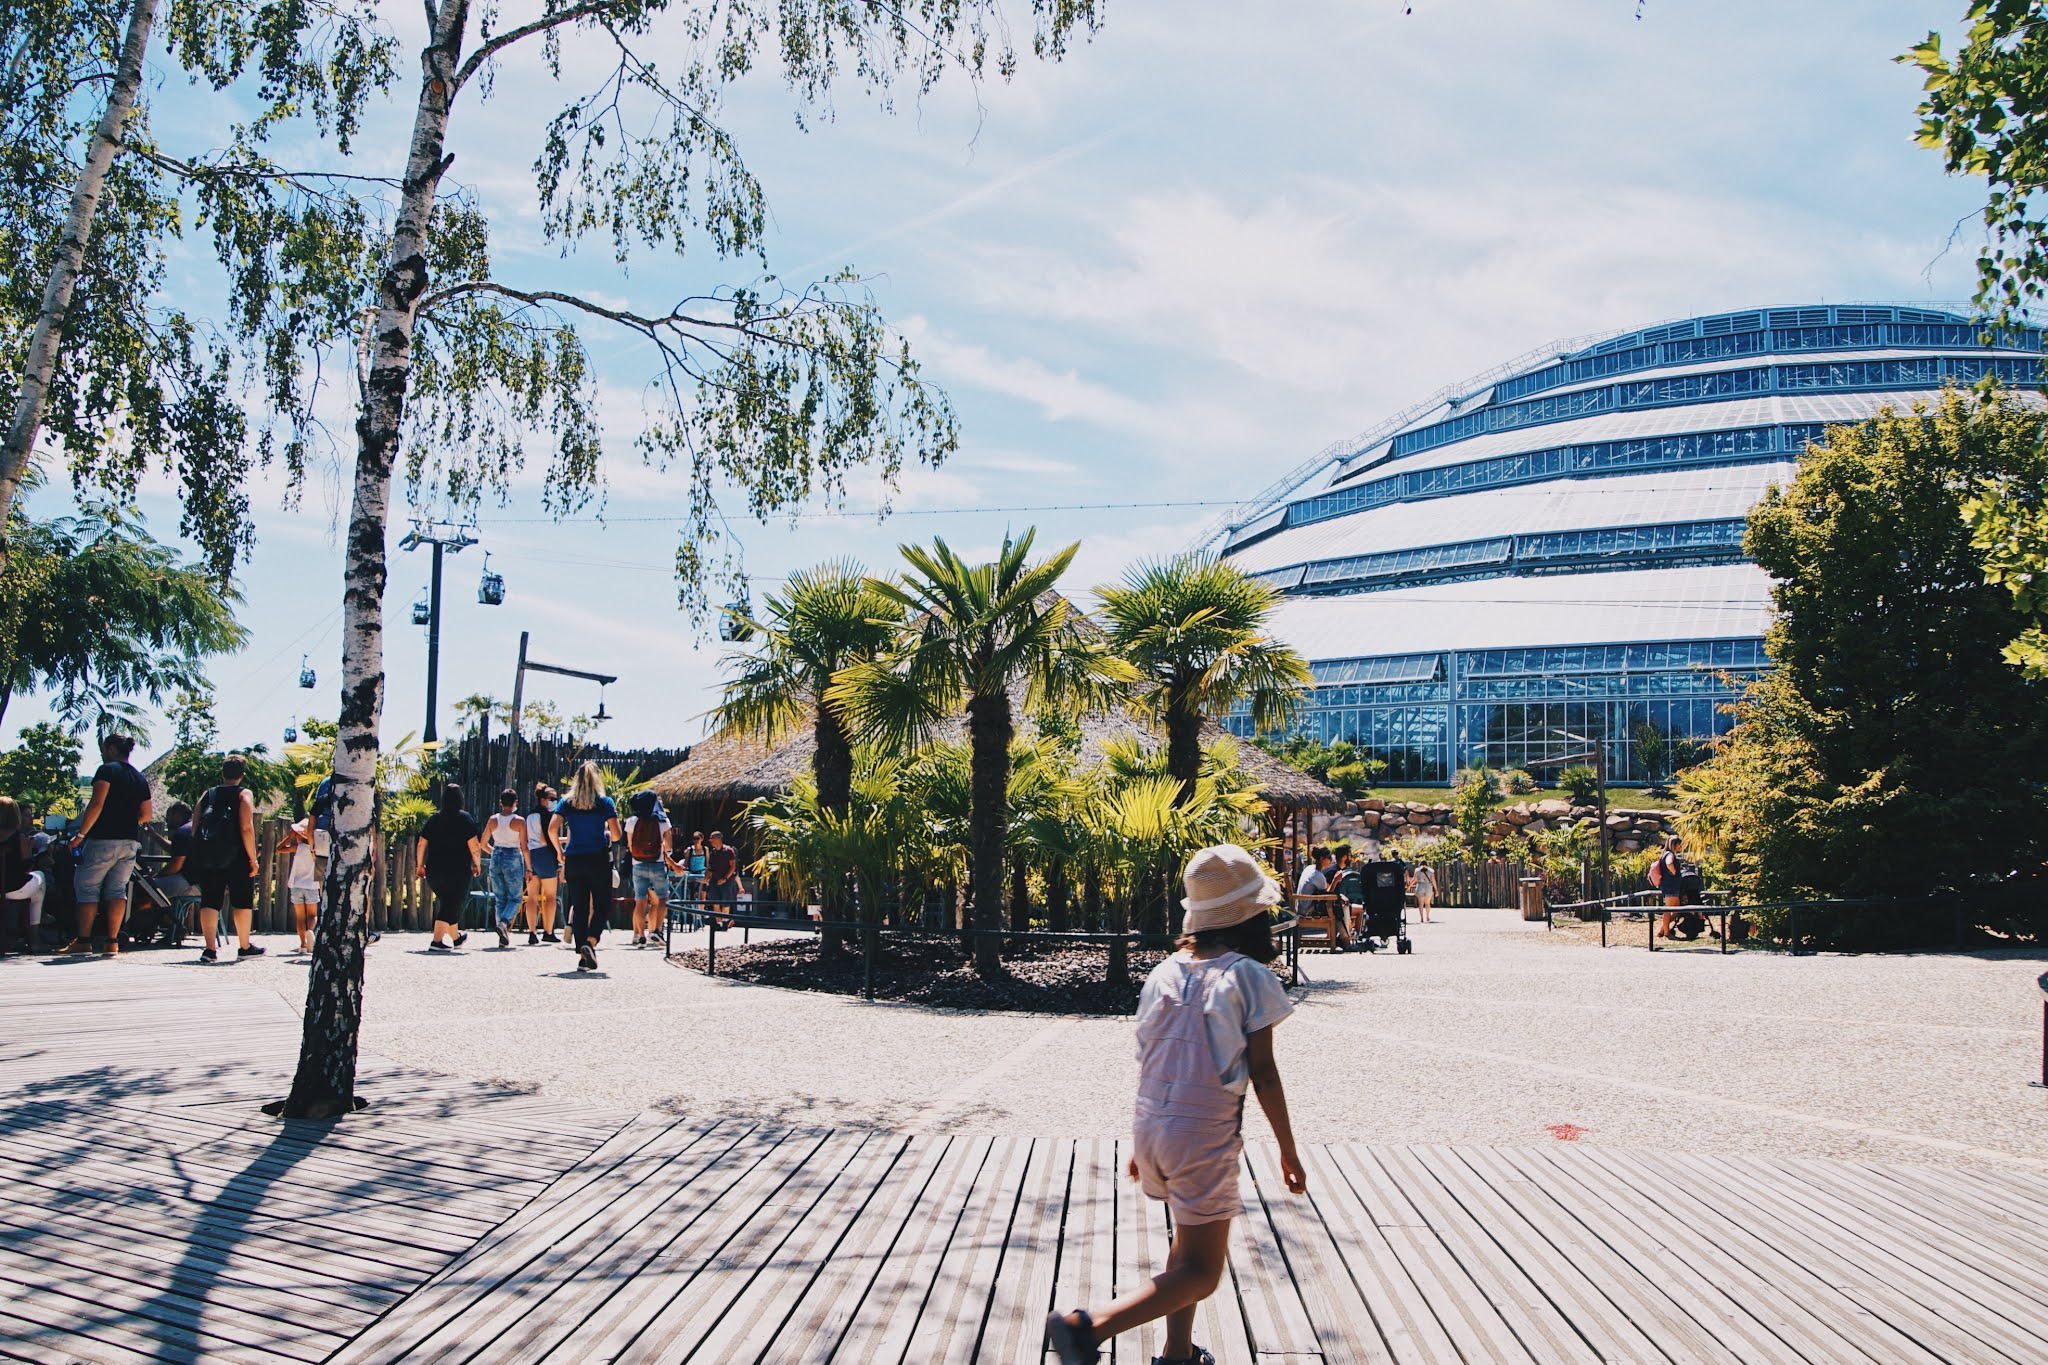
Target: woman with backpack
(585, 827)
(447, 860)
(646, 841)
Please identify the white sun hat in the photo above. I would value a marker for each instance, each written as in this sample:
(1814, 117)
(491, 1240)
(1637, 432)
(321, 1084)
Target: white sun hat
(1225, 886)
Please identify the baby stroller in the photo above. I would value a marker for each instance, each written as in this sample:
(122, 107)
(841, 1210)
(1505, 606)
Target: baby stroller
(154, 914)
(1386, 903)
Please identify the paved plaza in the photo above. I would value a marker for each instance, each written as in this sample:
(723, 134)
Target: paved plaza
(1520, 1149)
(1491, 1031)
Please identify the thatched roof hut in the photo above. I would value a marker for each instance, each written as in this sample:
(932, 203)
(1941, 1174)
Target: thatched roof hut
(726, 769)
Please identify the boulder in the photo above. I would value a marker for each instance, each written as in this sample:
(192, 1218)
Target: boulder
(1370, 819)
(1627, 846)
(1372, 804)
(1517, 815)
(1418, 817)
(1555, 808)
(1536, 827)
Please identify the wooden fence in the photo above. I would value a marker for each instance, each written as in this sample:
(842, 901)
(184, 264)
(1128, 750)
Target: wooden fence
(399, 899)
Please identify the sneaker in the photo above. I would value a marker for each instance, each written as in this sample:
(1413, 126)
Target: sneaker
(374, 937)
(532, 939)
(208, 956)
(551, 937)
(253, 950)
(504, 938)
(439, 948)
(75, 947)
(1073, 1342)
(586, 960)
(461, 937)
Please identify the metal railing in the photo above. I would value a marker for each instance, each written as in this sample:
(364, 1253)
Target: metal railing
(1719, 905)
(727, 918)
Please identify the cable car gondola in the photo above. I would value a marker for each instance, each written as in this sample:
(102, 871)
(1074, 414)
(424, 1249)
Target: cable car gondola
(306, 677)
(422, 614)
(490, 589)
(735, 626)
(291, 732)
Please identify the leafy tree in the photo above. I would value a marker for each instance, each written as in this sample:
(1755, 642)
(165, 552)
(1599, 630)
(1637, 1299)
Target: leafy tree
(1195, 629)
(95, 611)
(1340, 763)
(92, 204)
(974, 634)
(779, 392)
(1473, 799)
(1890, 752)
(41, 769)
(1984, 109)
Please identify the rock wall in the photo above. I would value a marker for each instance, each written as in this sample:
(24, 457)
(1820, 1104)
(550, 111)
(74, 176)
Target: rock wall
(1386, 818)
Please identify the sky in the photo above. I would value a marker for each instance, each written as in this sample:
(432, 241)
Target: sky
(1152, 279)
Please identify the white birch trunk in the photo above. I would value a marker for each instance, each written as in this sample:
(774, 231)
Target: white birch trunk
(325, 1084)
(40, 364)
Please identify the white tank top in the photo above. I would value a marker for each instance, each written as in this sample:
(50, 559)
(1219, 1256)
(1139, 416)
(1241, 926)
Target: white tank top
(507, 831)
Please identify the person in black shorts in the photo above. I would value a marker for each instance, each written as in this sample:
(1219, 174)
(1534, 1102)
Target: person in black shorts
(448, 860)
(224, 847)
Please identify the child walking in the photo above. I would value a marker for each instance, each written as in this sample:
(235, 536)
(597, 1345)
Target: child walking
(1205, 1034)
(302, 884)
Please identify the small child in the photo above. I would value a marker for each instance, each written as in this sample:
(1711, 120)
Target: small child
(302, 883)
(1205, 1033)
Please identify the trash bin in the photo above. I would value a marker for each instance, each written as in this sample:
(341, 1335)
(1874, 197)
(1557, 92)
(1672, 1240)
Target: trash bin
(1532, 898)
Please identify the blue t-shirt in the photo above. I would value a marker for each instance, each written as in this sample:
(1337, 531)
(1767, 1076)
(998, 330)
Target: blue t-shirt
(586, 828)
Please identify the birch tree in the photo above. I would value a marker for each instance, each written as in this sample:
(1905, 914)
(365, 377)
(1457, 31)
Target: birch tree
(757, 391)
(93, 358)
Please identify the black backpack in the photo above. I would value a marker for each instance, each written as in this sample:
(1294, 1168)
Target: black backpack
(217, 829)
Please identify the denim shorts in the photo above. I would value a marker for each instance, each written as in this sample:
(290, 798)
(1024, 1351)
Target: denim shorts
(105, 867)
(649, 879)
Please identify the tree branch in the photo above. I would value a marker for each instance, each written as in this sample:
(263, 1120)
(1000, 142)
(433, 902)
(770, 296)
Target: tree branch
(514, 35)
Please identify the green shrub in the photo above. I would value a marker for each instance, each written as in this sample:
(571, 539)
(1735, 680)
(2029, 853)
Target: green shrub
(1581, 783)
(1517, 782)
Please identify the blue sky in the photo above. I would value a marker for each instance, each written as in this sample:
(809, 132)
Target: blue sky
(1214, 240)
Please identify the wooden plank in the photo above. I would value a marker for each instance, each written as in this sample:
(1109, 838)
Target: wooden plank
(708, 1291)
(639, 1275)
(534, 1277)
(896, 1296)
(812, 1333)
(1752, 1207)
(1343, 1328)
(950, 1325)
(1385, 1289)
(926, 1311)
(297, 1269)
(1464, 1306)
(1617, 1309)
(55, 1333)
(1082, 1278)
(96, 1306)
(1786, 1302)
(1015, 1334)
(1273, 1307)
(1991, 1246)
(1990, 1310)
(803, 1263)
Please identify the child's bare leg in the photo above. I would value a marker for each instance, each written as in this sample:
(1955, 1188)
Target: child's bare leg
(1194, 1267)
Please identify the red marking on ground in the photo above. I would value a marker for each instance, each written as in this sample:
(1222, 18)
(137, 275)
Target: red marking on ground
(1566, 1132)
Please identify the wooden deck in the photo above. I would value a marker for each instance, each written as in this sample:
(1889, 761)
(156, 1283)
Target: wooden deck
(154, 1214)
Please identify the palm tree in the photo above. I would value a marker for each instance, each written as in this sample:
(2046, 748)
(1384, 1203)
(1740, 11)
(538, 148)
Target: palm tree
(826, 619)
(974, 634)
(1195, 628)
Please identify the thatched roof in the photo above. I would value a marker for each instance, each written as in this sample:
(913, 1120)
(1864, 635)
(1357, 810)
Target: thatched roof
(728, 768)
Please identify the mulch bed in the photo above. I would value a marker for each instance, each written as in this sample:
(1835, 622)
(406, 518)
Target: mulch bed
(937, 971)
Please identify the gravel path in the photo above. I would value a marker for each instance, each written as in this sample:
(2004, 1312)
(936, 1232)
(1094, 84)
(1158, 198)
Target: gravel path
(1490, 1032)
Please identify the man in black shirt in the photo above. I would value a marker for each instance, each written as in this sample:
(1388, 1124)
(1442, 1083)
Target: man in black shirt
(722, 871)
(105, 844)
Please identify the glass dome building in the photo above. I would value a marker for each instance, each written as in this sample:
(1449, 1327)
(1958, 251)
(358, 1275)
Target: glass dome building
(1552, 551)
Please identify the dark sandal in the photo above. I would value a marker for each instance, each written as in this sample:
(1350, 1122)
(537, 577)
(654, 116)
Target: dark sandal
(1073, 1342)
(1201, 1356)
